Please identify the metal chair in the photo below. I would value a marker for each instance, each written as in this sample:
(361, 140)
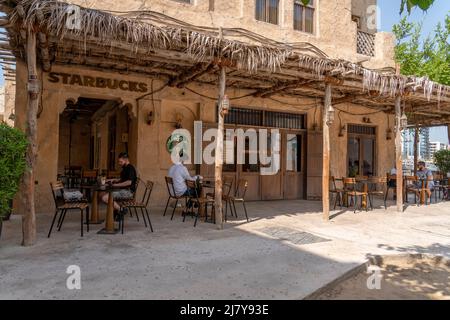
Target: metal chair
(88, 181)
(239, 196)
(350, 190)
(227, 186)
(336, 193)
(63, 206)
(410, 187)
(142, 205)
(112, 174)
(377, 187)
(172, 195)
(391, 183)
(200, 201)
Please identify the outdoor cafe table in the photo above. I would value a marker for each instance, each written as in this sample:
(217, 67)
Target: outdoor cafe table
(109, 221)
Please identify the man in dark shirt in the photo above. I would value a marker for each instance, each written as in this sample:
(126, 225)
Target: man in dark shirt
(126, 185)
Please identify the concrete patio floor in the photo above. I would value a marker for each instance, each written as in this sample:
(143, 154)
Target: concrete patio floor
(268, 258)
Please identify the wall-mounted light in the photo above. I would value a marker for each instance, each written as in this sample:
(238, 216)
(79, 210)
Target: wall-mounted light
(389, 134)
(331, 112)
(342, 128)
(225, 105)
(403, 121)
(150, 118)
(12, 117)
(178, 121)
(367, 120)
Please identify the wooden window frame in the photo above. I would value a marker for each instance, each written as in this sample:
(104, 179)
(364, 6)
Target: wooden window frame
(360, 136)
(303, 28)
(267, 11)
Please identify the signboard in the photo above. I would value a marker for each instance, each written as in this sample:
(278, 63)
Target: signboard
(97, 82)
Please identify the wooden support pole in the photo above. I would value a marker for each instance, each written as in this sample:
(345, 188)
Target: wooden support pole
(416, 148)
(326, 155)
(219, 152)
(29, 216)
(398, 153)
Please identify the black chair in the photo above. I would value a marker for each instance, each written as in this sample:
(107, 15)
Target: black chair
(239, 196)
(336, 193)
(199, 201)
(62, 206)
(227, 187)
(172, 195)
(377, 187)
(143, 206)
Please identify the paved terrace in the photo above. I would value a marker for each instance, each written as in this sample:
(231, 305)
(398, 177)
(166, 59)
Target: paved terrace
(287, 251)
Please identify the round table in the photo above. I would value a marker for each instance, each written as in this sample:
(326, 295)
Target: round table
(109, 221)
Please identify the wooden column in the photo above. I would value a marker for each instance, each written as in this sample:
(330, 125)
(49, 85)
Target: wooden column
(416, 148)
(398, 153)
(219, 152)
(326, 155)
(29, 215)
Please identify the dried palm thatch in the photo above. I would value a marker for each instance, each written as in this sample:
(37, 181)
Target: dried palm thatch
(151, 31)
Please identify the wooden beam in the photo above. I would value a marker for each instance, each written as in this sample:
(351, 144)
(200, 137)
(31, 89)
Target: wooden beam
(265, 93)
(398, 153)
(190, 75)
(326, 154)
(219, 152)
(29, 216)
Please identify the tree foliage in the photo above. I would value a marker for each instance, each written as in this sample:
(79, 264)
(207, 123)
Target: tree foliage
(410, 4)
(430, 57)
(442, 160)
(13, 145)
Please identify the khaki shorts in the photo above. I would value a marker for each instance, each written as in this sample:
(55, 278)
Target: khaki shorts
(123, 194)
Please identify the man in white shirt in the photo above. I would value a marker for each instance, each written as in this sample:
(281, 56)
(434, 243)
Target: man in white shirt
(179, 173)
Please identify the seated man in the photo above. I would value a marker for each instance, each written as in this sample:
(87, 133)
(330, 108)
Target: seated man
(425, 174)
(392, 182)
(179, 173)
(126, 184)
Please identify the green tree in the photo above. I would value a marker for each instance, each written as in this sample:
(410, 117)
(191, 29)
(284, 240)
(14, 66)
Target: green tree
(411, 4)
(442, 160)
(430, 57)
(13, 145)
(405, 4)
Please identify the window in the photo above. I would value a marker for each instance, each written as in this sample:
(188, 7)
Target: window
(261, 118)
(267, 11)
(293, 153)
(304, 16)
(184, 1)
(357, 20)
(361, 150)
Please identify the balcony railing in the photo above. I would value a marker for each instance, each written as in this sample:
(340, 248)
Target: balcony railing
(365, 43)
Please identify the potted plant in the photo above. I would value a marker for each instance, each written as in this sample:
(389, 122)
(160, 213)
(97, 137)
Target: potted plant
(13, 146)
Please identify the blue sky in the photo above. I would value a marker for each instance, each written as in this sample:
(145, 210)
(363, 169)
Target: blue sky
(390, 15)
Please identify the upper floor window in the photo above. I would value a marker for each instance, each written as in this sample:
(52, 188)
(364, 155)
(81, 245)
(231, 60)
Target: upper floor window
(184, 1)
(304, 16)
(267, 10)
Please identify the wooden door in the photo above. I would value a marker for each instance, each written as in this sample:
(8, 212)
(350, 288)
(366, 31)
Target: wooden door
(293, 165)
(272, 184)
(314, 165)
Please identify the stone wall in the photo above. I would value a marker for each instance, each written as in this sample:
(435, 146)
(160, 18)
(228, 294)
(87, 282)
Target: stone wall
(335, 32)
(148, 142)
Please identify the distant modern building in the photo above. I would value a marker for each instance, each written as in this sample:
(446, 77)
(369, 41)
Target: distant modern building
(425, 152)
(436, 146)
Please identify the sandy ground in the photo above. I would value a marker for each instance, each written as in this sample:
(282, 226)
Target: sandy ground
(403, 277)
(287, 251)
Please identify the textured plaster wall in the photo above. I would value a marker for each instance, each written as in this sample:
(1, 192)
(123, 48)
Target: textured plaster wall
(335, 32)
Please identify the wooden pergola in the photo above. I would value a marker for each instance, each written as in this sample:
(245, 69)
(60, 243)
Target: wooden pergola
(42, 34)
